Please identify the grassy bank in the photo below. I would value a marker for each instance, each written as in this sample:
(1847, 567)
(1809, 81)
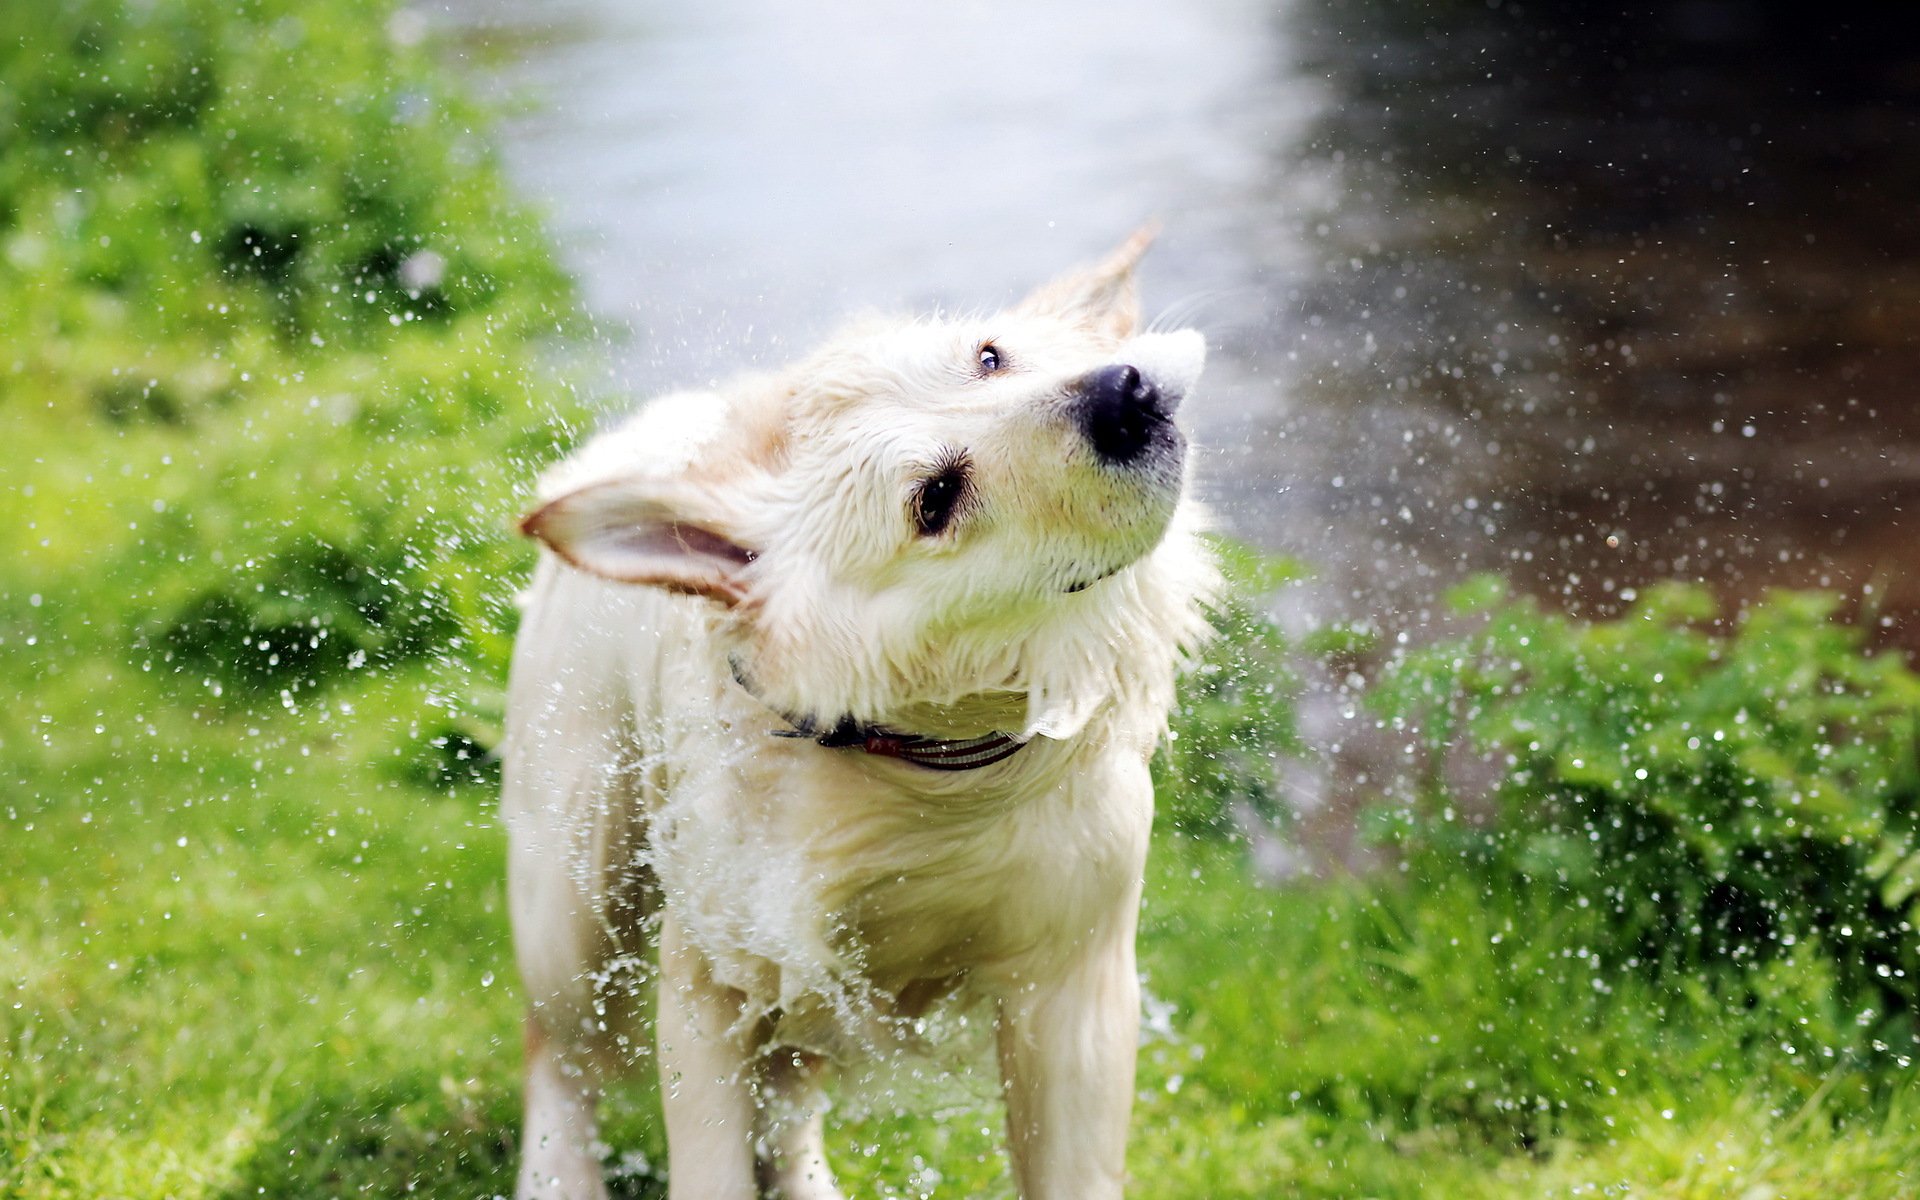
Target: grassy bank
(279, 351)
(260, 963)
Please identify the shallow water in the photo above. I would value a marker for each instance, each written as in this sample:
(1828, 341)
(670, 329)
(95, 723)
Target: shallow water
(1601, 298)
(1588, 297)
(733, 178)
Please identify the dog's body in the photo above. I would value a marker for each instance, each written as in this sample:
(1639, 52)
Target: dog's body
(986, 568)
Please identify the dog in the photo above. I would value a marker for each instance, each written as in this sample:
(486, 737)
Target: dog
(833, 701)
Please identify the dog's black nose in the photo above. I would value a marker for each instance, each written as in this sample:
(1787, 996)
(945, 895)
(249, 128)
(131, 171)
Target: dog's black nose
(1120, 412)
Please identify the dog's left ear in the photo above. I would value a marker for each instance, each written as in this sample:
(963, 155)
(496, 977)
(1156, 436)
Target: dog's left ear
(1101, 297)
(645, 532)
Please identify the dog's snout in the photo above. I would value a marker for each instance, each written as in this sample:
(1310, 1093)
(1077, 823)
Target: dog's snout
(1121, 413)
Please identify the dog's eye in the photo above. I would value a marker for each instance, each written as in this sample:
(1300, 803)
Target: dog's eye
(989, 358)
(938, 498)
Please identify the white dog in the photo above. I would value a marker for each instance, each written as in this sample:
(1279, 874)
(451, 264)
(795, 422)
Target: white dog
(837, 692)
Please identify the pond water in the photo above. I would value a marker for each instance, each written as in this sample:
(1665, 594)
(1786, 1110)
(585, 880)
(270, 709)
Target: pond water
(1590, 298)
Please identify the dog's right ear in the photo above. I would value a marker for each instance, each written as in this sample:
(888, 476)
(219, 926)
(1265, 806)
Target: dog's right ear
(633, 531)
(1100, 297)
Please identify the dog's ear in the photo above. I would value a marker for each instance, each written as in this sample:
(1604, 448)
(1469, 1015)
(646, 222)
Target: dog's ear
(1100, 297)
(643, 531)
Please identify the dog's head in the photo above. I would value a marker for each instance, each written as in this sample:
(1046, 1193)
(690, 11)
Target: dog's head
(892, 523)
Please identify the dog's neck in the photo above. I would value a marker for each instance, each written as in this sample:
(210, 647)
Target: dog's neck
(937, 754)
(885, 741)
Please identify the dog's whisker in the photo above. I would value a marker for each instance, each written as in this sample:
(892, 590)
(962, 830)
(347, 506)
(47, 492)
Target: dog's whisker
(1183, 312)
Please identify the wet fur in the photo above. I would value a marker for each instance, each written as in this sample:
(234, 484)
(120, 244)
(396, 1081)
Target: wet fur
(753, 908)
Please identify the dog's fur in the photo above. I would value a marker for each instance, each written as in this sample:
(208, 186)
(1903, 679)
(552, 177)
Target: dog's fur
(732, 563)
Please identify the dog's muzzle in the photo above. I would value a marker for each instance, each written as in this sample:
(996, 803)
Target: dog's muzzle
(1124, 415)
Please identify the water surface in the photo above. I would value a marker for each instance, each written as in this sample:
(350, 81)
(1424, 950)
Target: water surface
(1586, 295)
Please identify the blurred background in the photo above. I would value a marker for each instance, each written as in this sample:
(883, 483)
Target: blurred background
(1587, 295)
(1517, 838)
(1590, 295)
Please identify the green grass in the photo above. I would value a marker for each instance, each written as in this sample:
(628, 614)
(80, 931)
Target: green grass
(218, 976)
(256, 951)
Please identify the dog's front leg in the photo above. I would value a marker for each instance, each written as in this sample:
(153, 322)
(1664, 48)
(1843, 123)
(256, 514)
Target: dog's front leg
(705, 1089)
(559, 1159)
(1066, 1059)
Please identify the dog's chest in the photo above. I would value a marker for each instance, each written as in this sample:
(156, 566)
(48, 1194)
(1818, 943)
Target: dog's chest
(963, 898)
(802, 879)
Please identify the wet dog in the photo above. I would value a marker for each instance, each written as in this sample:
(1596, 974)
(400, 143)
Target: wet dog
(833, 700)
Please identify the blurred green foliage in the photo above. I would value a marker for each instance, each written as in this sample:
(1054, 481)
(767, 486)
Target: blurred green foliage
(275, 341)
(1234, 720)
(1728, 793)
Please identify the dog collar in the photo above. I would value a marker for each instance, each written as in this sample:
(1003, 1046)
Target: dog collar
(935, 754)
